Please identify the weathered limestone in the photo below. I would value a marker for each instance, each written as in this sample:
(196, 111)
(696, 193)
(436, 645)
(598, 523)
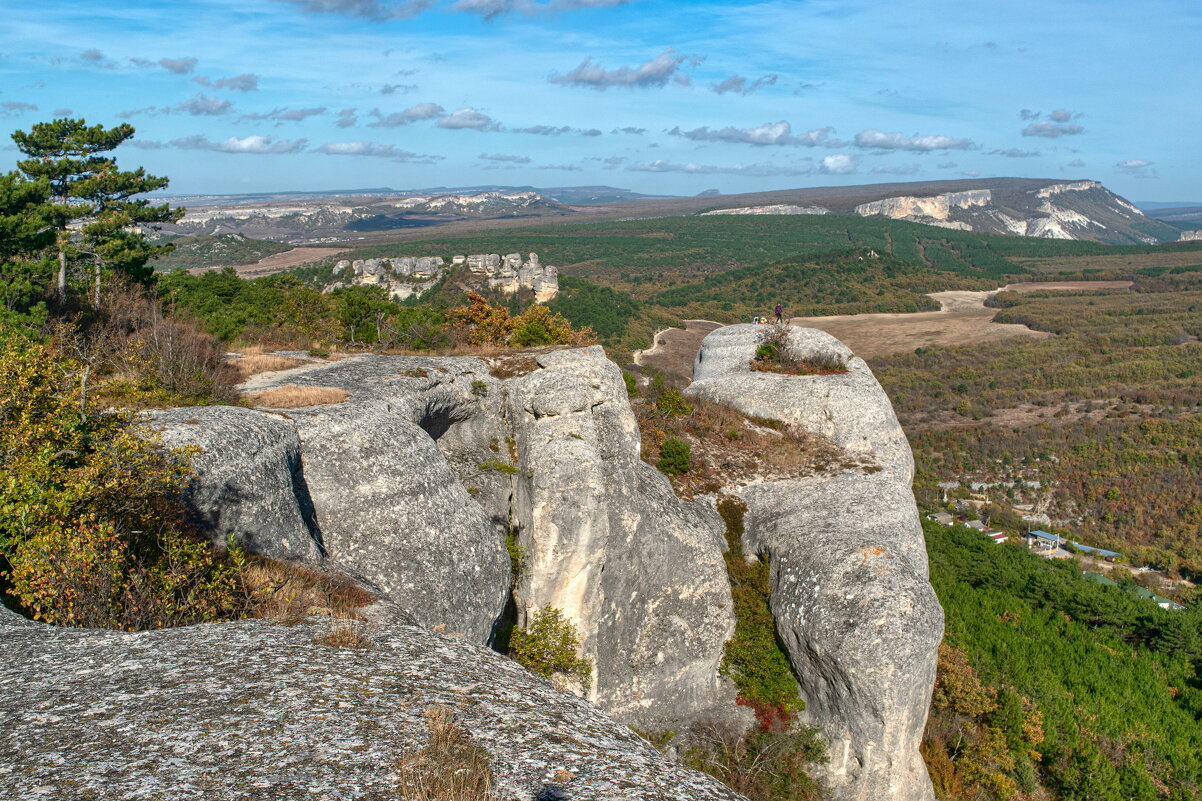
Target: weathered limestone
(249, 486)
(849, 575)
(772, 209)
(391, 510)
(412, 276)
(509, 274)
(638, 570)
(256, 710)
(936, 207)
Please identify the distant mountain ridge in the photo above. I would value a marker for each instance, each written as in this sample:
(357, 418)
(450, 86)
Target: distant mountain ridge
(1046, 208)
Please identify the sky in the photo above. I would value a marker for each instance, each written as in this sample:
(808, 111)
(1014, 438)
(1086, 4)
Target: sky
(657, 96)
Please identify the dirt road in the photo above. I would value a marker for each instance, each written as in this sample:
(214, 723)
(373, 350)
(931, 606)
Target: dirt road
(963, 320)
(277, 262)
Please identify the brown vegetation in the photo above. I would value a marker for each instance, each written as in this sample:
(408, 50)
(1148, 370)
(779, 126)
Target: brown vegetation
(290, 593)
(294, 396)
(450, 767)
(256, 363)
(729, 448)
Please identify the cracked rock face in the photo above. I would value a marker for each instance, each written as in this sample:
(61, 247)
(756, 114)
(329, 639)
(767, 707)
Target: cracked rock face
(639, 570)
(850, 593)
(249, 486)
(416, 479)
(256, 710)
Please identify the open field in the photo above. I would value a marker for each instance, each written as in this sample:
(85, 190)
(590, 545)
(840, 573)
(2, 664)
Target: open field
(1114, 261)
(963, 320)
(277, 262)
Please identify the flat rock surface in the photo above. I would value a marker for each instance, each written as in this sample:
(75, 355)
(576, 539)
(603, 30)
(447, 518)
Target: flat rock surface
(257, 710)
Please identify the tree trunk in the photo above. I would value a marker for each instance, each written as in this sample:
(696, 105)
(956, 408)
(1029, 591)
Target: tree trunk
(62, 274)
(96, 290)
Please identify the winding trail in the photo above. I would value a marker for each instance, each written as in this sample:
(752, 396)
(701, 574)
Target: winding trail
(963, 319)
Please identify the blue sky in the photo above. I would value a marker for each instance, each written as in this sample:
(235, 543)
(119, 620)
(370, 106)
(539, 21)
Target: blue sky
(659, 96)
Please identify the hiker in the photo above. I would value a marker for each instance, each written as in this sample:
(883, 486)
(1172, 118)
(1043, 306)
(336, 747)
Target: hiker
(779, 314)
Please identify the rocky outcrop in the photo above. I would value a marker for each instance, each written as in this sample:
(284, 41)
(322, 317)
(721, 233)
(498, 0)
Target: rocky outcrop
(413, 276)
(257, 710)
(249, 486)
(510, 274)
(1083, 210)
(403, 277)
(919, 209)
(850, 592)
(606, 540)
(1191, 236)
(416, 479)
(777, 209)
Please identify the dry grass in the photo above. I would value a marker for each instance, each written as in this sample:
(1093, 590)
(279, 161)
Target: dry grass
(449, 768)
(293, 396)
(264, 363)
(729, 448)
(292, 593)
(345, 634)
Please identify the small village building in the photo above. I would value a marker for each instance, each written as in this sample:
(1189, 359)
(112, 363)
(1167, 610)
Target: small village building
(1100, 553)
(942, 518)
(976, 525)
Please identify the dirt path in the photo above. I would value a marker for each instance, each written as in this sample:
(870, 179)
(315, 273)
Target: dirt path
(674, 349)
(277, 262)
(963, 320)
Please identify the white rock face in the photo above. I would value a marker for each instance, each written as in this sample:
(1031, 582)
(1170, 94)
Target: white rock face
(936, 208)
(777, 209)
(413, 276)
(1191, 236)
(850, 593)
(1076, 186)
(509, 274)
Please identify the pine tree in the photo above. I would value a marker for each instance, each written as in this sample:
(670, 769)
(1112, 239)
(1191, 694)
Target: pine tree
(92, 203)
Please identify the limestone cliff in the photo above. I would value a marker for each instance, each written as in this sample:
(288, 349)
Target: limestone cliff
(1071, 210)
(412, 484)
(412, 276)
(850, 592)
(772, 209)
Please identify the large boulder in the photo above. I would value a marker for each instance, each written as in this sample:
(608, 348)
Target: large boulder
(248, 485)
(850, 593)
(256, 710)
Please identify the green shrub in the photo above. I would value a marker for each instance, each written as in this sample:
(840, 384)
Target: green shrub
(632, 385)
(548, 646)
(753, 657)
(497, 464)
(479, 388)
(674, 457)
(672, 404)
(91, 527)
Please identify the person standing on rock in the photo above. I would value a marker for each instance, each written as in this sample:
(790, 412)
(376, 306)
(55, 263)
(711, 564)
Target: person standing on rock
(779, 314)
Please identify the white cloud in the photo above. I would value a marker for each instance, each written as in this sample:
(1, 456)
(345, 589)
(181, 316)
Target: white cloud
(665, 67)
(759, 170)
(13, 108)
(180, 66)
(503, 157)
(887, 169)
(838, 164)
(740, 85)
(422, 111)
(1051, 130)
(287, 114)
(1015, 153)
(374, 10)
(376, 150)
(770, 133)
(246, 82)
(490, 9)
(468, 119)
(258, 145)
(346, 118)
(872, 139)
(1140, 168)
